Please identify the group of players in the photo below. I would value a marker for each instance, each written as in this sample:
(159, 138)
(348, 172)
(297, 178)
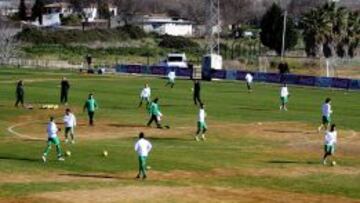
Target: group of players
(143, 146)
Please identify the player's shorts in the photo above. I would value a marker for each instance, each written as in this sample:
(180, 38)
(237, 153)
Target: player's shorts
(69, 130)
(145, 99)
(329, 149)
(54, 141)
(284, 100)
(202, 125)
(326, 119)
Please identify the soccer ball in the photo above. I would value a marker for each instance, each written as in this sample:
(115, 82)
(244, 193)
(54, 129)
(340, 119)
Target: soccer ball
(333, 163)
(148, 167)
(68, 153)
(105, 153)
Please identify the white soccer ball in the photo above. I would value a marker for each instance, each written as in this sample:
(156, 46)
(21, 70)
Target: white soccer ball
(68, 153)
(148, 167)
(105, 153)
(333, 163)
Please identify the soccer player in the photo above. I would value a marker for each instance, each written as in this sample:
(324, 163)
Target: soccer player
(196, 90)
(90, 106)
(326, 114)
(53, 139)
(249, 80)
(142, 148)
(20, 93)
(330, 142)
(155, 114)
(70, 123)
(65, 86)
(171, 77)
(284, 97)
(201, 124)
(145, 95)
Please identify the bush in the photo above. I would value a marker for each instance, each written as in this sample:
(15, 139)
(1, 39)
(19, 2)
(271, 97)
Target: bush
(134, 32)
(176, 42)
(39, 36)
(71, 20)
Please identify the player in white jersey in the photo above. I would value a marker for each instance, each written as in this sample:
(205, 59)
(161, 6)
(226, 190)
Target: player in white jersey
(171, 78)
(284, 97)
(326, 114)
(201, 124)
(145, 95)
(70, 124)
(249, 80)
(330, 140)
(142, 148)
(53, 139)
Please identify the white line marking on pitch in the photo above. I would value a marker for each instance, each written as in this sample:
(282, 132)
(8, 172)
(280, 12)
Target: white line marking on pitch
(12, 131)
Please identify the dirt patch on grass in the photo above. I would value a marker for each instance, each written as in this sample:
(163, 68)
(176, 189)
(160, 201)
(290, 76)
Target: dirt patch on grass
(185, 194)
(298, 136)
(50, 177)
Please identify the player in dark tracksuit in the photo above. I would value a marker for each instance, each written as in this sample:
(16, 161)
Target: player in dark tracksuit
(20, 92)
(196, 95)
(65, 86)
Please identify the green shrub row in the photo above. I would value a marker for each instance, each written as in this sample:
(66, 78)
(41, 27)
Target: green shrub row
(51, 36)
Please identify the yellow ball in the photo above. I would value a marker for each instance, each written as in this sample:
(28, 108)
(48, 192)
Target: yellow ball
(68, 153)
(105, 153)
(148, 167)
(333, 163)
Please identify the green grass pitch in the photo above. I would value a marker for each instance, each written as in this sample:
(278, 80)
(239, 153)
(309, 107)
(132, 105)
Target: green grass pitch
(245, 150)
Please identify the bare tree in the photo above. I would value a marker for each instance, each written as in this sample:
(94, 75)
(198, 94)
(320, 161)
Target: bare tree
(8, 43)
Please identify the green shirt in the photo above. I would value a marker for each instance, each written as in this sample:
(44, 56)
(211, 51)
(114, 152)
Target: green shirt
(90, 105)
(154, 109)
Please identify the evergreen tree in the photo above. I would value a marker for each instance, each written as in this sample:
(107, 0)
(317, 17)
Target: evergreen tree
(22, 10)
(272, 25)
(37, 10)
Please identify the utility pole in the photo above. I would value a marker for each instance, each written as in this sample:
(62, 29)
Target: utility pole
(284, 33)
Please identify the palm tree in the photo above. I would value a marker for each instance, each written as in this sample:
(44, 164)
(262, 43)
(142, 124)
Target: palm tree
(315, 26)
(337, 18)
(352, 38)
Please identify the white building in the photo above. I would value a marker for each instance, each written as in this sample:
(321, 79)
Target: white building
(65, 9)
(167, 25)
(92, 12)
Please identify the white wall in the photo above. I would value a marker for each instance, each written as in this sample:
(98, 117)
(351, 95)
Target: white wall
(90, 14)
(170, 29)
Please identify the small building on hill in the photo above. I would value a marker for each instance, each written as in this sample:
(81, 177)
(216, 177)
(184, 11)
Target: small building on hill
(65, 9)
(166, 25)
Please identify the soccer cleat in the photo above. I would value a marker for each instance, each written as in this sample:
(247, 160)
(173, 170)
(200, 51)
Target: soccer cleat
(324, 162)
(197, 139)
(61, 159)
(138, 176)
(203, 137)
(43, 158)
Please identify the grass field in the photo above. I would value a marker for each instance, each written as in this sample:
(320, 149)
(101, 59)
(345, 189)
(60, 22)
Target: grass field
(254, 152)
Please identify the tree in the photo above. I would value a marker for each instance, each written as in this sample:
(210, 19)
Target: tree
(22, 10)
(272, 30)
(315, 25)
(103, 9)
(8, 43)
(337, 22)
(37, 10)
